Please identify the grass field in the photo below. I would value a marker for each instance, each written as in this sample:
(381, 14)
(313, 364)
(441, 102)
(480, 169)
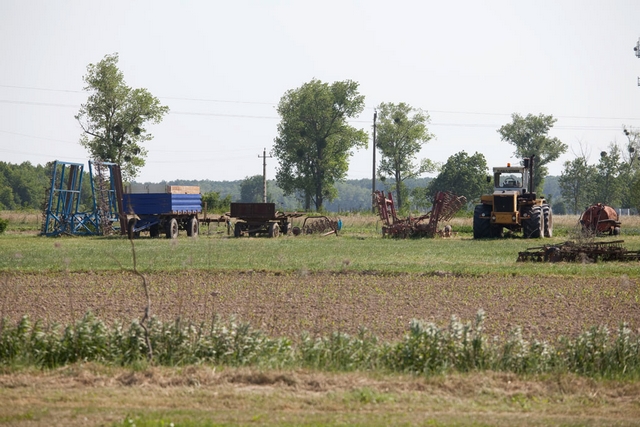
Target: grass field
(321, 285)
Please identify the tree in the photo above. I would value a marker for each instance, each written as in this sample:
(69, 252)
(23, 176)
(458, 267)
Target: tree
(314, 140)
(401, 133)
(252, 189)
(608, 179)
(216, 203)
(529, 136)
(631, 169)
(576, 183)
(463, 175)
(114, 116)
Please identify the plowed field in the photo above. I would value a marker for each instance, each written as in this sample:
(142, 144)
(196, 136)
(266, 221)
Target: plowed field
(320, 303)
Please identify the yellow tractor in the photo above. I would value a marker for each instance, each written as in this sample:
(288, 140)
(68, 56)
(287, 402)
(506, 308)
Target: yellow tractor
(513, 205)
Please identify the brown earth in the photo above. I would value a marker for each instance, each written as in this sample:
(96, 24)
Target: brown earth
(287, 304)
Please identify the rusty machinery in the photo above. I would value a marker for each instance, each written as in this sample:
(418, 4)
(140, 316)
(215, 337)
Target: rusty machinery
(580, 252)
(445, 205)
(600, 219)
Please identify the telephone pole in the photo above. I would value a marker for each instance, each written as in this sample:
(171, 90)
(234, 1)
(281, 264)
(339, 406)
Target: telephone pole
(373, 179)
(264, 174)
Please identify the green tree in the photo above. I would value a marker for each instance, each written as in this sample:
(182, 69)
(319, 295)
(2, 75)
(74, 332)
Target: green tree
(576, 183)
(609, 177)
(217, 203)
(463, 175)
(530, 137)
(314, 140)
(401, 133)
(630, 174)
(114, 117)
(252, 189)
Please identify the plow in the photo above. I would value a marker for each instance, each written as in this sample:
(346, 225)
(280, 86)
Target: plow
(445, 206)
(580, 252)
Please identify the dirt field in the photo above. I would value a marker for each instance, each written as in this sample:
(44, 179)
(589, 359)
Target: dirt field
(545, 307)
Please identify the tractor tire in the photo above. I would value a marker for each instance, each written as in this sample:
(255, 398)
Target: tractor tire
(192, 227)
(274, 229)
(533, 228)
(171, 229)
(547, 214)
(482, 222)
(616, 231)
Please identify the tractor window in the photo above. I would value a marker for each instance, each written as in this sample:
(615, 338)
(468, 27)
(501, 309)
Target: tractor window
(509, 180)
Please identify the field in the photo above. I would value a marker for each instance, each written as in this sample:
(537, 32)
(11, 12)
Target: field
(320, 285)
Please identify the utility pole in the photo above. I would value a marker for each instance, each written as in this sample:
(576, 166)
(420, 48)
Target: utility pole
(373, 179)
(264, 174)
(637, 50)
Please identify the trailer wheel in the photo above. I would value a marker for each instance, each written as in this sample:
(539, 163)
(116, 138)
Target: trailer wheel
(154, 230)
(274, 229)
(237, 230)
(130, 226)
(172, 228)
(192, 227)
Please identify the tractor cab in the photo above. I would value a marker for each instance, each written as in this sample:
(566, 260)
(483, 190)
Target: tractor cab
(510, 179)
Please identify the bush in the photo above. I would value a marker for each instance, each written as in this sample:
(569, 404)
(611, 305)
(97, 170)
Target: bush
(3, 225)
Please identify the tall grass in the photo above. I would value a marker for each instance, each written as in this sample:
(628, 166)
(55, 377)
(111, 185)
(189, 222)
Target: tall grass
(426, 349)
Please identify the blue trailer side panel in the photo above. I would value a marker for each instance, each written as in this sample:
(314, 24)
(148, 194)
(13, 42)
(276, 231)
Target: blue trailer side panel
(162, 203)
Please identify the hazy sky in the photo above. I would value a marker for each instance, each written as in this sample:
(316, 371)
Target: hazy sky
(222, 67)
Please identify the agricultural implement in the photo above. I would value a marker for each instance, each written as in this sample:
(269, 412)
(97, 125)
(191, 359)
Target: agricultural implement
(580, 252)
(445, 206)
(260, 218)
(318, 224)
(600, 219)
(63, 212)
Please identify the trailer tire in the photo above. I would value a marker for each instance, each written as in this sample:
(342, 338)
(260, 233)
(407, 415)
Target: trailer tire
(154, 231)
(172, 228)
(192, 227)
(237, 230)
(548, 220)
(274, 229)
(130, 226)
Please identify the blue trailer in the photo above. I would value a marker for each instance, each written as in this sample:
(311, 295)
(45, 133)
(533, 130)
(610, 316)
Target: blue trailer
(162, 213)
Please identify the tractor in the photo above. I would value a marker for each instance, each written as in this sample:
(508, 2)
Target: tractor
(513, 205)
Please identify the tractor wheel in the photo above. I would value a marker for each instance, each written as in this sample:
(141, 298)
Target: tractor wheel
(172, 229)
(481, 222)
(130, 225)
(533, 228)
(547, 213)
(274, 229)
(192, 227)
(616, 231)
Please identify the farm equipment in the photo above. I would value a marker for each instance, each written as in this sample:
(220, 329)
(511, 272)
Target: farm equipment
(513, 205)
(260, 218)
(63, 213)
(445, 205)
(600, 219)
(580, 252)
(162, 208)
(318, 224)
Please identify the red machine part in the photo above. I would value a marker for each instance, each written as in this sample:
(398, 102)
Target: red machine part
(600, 219)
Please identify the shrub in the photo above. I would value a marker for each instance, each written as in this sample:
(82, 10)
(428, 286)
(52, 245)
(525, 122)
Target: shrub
(3, 225)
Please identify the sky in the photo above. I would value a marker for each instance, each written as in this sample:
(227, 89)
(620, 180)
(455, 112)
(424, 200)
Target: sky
(222, 68)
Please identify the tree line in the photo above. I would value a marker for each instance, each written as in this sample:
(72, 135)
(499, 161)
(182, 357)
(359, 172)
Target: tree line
(315, 140)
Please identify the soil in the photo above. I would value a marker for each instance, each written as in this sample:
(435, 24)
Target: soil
(320, 303)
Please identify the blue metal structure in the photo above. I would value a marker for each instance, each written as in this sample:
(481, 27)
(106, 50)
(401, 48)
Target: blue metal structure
(63, 214)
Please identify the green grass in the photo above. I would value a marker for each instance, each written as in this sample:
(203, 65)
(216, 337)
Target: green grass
(347, 252)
